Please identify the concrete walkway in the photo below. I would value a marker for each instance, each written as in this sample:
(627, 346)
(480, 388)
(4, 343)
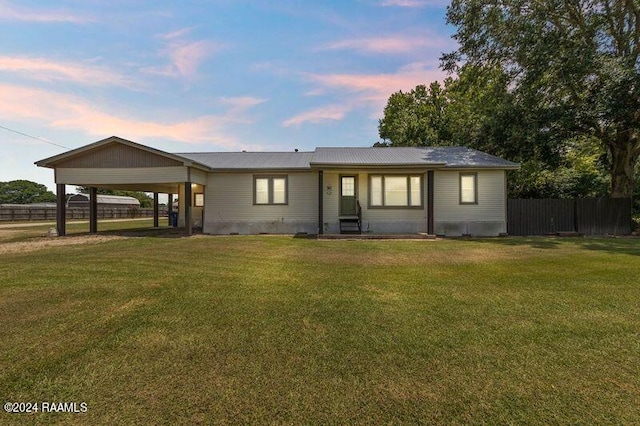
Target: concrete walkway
(27, 224)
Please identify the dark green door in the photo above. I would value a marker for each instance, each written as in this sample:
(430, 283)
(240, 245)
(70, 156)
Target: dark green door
(348, 196)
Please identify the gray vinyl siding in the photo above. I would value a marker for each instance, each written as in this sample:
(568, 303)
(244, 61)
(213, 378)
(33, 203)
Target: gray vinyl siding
(198, 176)
(374, 220)
(114, 176)
(229, 206)
(487, 217)
(117, 155)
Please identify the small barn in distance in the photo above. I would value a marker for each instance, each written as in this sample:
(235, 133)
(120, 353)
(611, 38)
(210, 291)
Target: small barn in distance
(104, 201)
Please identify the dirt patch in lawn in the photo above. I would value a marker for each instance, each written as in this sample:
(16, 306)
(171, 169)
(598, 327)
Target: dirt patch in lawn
(46, 242)
(6, 234)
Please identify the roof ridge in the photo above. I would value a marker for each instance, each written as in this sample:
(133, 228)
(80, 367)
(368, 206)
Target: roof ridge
(246, 152)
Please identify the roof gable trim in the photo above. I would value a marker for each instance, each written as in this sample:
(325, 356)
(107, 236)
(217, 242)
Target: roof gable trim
(51, 162)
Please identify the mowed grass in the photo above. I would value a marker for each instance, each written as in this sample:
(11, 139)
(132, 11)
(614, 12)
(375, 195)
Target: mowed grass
(215, 330)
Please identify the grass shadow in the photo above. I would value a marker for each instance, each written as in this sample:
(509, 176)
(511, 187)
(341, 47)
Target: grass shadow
(164, 232)
(534, 242)
(624, 245)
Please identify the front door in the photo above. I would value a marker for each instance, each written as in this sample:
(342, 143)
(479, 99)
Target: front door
(348, 196)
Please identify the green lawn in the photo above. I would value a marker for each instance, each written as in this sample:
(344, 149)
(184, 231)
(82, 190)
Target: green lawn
(289, 331)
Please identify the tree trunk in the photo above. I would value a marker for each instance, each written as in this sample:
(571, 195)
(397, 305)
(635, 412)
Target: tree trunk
(624, 150)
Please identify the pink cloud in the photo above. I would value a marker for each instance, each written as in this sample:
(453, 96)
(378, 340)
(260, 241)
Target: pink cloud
(364, 91)
(46, 70)
(12, 13)
(378, 87)
(184, 56)
(242, 101)
(325, 113)
(67, 112)
(390, 44)
(176, 34)
(187, 57)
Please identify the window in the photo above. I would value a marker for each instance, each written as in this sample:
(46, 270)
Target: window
(395, 191)
(270, 190)
(468, 188)
(348, 186)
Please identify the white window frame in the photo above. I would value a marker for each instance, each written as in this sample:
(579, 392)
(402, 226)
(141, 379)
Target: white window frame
(270, 190)
(382, 196)
(465, 176)
(198, 199)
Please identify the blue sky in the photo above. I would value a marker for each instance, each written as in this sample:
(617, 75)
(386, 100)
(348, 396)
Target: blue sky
(217, 75)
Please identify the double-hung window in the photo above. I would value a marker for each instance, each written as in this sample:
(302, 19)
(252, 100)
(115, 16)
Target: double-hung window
(270, 190)
(468, 188)
(396, 191)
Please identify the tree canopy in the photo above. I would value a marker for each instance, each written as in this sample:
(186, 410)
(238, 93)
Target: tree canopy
(24, 192)
(573, 63)
(553, 85)
(476, 109)
(416, 118)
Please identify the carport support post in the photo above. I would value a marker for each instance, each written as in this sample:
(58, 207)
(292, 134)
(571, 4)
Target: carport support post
(320, 202)
(155, 210)
(187, 208)
(61, 209)
(169, 208)
(430, 197)
(93, 210)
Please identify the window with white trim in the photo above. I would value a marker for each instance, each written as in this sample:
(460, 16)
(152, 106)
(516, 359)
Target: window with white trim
(270, 190)
(468, 188)
(396, 191)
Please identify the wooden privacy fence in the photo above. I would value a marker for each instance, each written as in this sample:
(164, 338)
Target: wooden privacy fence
(27, 213)
(588, 216)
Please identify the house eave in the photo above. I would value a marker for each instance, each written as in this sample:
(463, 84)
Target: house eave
(365, 166)
(258, 170)
(487, 167)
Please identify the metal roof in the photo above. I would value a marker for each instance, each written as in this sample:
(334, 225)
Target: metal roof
(251, 160)
(372, 157)
(106, 199)
(434, 157)
(116, 199)
(441, 156)
(460, 156)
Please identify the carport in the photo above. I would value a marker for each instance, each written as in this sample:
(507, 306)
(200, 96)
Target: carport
(116, 163)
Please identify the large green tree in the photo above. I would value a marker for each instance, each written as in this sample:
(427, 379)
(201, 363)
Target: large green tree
(477, 109)
(24, 192)
(416, 118)
(573, 63)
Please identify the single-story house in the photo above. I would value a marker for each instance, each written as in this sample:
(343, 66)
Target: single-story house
(448, 191)
(104, 201)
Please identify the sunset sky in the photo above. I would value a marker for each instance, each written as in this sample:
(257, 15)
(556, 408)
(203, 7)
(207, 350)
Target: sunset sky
(217, 75)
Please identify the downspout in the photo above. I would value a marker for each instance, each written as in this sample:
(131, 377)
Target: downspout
(320, 202)
(430, 209)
